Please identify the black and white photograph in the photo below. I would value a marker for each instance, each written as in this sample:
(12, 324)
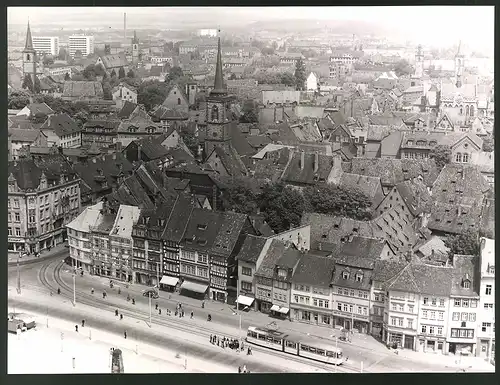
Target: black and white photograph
(248, 190)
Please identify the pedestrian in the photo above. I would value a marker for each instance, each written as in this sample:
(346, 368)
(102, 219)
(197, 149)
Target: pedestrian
(119, 291)
(203, 305)
(176, 312)
(244, 368)
(159, 311)
(92, 291)
(133, 301)
(192, 314)
(156, 306)
(76, 328)
(183, 313)
(116, 313)
(239, 369)
(121, 317)
(83, 323)
(211, 337)
(218, 341)
(125, 334)
(58, 290)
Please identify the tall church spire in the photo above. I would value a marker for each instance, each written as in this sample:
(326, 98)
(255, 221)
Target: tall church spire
(219, 79)
(135, 40)
(29, 41)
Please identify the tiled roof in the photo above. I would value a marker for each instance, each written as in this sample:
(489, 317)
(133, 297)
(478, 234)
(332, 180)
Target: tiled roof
(461, 179)
(274, 253)
(28, 172)
(357, 246)
(113, 124)
(83, 89)
(331, 229)
(228, 234)
(202, 229)
(165, 113)
(314, 270)
(378, 132)
(396, 229)
(488, 218)
(306, 175)
(23, 135)
(40, 108)
(251, 249)
(127, 110)
(61, 124)
(114, 61)
(231, 161)
(126, 217)
(385, 120)
(416, 196)
(370, 186)
(459, 216)
(351, 282)
(434, 244)
(422, 279)
(394, 171)
(391, 144)
(89, 217)
(384, 270)
(466, 267)
(178, 219)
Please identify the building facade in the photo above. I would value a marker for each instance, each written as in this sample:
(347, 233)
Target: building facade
(46, 45)
(486, 310)
(82, 43)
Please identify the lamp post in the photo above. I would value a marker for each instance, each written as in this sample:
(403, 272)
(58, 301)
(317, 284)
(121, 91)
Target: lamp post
(18, 275)
(74, 288)
(336, 350)
(150, 309)
(238, 313)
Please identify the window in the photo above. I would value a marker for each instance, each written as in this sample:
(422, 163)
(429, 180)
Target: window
(345, 275)
(339, 290)
(488, 290)
(457, 302)
(400, 322)
(441, 315)
(426, 300)
(464, 316)
(465, 158)
(247, 286)
(393, 321)
(441, 302)
(410, 308)
(466, 284)
(424, 314)
(433, 315)
(394, 307)
(351, 293)
(458, 158)
(485, 326)
(488, 306)
(18, 232)
(424, 329)
(339, 307)
(472, 317)
(401, 307)
(215, 113)
(439, 331)
(410, 323)
(433, 302)
(465, 303)
(351, 308)
(246, 271)
(431, 329)
(345, 307)
(473, 303)
(9, 231)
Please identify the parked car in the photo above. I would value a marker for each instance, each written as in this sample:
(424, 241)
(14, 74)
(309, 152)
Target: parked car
(14, 325)
(154, 293)
(28, 320)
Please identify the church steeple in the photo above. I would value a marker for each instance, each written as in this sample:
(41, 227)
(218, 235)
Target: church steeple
(135, 40)
(219, 79)
(28, 47)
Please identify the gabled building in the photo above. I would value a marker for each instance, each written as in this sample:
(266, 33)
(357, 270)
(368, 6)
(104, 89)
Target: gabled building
(39, 110)
(43, 196)
(64, 130)
(113, 63)
(176, 99)
(486, 310)
(101, 133)
(19, 138)
(307, 169)
(124, 93)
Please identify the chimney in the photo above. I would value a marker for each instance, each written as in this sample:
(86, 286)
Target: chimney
(302, 159)
(316, 162)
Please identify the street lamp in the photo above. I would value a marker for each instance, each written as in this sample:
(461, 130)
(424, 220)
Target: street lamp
(150, 308)
(18, 275)
(239, 314)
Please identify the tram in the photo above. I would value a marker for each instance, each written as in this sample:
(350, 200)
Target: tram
(314, 349)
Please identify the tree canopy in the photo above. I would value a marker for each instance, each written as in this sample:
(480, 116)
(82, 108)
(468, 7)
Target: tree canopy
(441, 155)
(174, 74)
(28, 83)
(121, 73)
(18, 100)
(488, 144)
(402, 67)
(240, 197)
(334, 200)
(48, 60)
(463, 244)
(130, 74)
(151, 94)
(300, 75)
(67, 77)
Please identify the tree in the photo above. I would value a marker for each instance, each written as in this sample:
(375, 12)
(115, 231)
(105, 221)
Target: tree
(281, 205)
(176, 47)
(113, 73)
(151, 94)
(174, 74)
(335, 200)
(287, 79)
(38, 118)
(463, 244)
(300, 75)
(190, 140)
(48, 60)
(488, 144)
(89, 73)
(106, 88)
(63, 54)
(36, 86)
(78, 54)
(27, 83)
(18, 100)
(81, 117)
(67, 77)
(121, 73)
(402, 67)
(232, 76)
(168, 47)
(249, 117)
(130, 74)
(240, 197)
(99, 70)
(441, 155)
(267, 51)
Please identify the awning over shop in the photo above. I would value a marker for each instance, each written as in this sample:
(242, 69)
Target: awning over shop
(284, 310)
(243, 300)
(170, 281)
(275, 308)
(196, 287)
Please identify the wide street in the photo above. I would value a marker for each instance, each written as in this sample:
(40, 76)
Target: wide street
(185, 333)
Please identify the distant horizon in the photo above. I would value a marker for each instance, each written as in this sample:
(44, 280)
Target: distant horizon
(473, 25)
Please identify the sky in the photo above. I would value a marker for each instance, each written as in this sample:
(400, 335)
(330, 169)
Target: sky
(428, 24)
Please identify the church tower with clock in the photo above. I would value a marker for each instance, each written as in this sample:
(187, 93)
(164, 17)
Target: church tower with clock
(29, 57)
(218, 112)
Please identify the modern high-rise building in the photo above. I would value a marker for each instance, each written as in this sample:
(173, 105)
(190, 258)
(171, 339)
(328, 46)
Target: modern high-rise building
(82, 43)
(46, 45)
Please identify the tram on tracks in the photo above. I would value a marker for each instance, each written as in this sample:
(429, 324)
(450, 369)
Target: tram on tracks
(311, 348)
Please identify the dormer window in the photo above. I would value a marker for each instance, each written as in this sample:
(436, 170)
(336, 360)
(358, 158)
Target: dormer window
(345, 275)
(282, 273)
(359, 277)
(466, 283)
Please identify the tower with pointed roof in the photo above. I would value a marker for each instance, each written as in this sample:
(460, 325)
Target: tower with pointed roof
(459, 66)
(135, 49)
(218, 112)
(29, 56)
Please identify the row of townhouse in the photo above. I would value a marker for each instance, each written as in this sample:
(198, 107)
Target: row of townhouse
(177, 246)
(445, 309)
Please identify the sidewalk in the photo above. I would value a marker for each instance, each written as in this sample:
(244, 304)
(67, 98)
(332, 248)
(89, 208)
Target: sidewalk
(13, 257)
(255, 317)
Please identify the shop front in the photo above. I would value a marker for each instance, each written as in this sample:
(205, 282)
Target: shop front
(279, 311)
(244, 302)
(264, 306)
(352, 322)
(461, 348)
(312, 317)
(193, 289)
(431, 345)
(168, 283)
(486, 348)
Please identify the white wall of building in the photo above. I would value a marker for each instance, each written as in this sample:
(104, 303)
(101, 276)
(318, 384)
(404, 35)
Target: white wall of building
(84, 43)
(46, 45)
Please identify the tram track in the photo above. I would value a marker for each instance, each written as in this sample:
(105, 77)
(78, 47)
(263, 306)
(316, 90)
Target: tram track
(173, 323)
